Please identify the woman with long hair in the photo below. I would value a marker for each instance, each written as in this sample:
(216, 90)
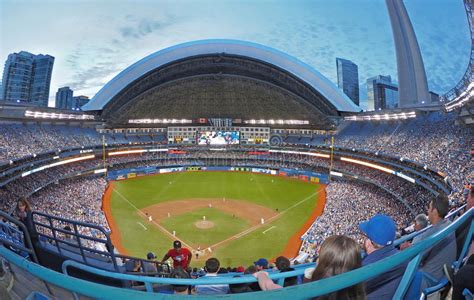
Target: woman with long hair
(23, 209)
(23, 212)
(339, 254)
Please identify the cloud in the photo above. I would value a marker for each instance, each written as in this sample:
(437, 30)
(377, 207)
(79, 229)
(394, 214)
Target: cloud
(143, 27)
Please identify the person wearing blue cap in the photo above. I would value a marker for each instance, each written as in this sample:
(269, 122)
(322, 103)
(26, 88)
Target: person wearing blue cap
(380, 232)
(261, 264)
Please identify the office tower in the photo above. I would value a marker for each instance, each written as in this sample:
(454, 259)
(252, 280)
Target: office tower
(27, 78)
(382, 93)
(348, 78)
(64, 98)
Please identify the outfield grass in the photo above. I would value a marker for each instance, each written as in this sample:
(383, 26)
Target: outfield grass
(297, 199)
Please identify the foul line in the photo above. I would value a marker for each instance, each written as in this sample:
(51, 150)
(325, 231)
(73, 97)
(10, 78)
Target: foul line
(142, 225)
(174, 237)
(268, 229)
(251, 229)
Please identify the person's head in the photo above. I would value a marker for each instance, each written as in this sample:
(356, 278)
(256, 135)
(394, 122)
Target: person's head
(339, 254)
(282, 263)
(23, 205)
(212, 265)
(380, 231)
(250, 270)
(134, 265)
(67, 228)
(438, 208)
(177, 245)
(182, 274)
(261, 264)
(150, 256)
(421, 221)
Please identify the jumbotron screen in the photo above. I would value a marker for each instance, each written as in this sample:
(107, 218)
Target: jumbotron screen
(219, 138)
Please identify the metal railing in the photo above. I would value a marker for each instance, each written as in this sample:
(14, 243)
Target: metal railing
(321, 287)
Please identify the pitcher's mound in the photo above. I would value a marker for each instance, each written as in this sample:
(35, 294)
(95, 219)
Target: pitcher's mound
(204, 224)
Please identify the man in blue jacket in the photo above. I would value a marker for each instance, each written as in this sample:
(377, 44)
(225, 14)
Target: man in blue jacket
(380, 232)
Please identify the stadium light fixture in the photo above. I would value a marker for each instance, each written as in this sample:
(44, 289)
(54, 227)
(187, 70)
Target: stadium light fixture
(99, 171)
(377, 117)
(279, 122)
(127, 152)
(59, 116)
(300, 153)
(401, 175)
(159, 121)
(59, 163)
(367, 164)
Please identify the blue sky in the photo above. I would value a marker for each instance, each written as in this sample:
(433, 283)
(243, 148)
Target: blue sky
(93, 41)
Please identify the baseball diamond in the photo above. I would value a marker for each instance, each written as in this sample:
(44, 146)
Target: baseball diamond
(220, 211)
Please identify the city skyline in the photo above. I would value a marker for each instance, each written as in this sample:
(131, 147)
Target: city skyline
(99, 40)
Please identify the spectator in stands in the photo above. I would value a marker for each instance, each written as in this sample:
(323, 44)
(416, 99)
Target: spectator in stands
(179, 288)
(339, 254)
(133, 265)
(150, 267)
(212, 268)
(283, 265)
(380, 232)
(261, 264)
(443, 252)
(421, 222)
(237, 288)
(254, 285)
(24, 214)
(67, 236)
(181, 256)
(463, 279)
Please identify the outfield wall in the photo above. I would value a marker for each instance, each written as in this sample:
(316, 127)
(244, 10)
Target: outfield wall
(143, 171)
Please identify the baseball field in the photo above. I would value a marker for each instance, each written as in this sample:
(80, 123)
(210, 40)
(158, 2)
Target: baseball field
(236, 217)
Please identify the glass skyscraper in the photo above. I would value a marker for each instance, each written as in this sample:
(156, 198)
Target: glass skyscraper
(382, 93)
(27, 77)
(348, 78)
(79, 101)
(64, 98)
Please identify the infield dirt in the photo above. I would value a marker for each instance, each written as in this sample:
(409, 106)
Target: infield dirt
(249, 211)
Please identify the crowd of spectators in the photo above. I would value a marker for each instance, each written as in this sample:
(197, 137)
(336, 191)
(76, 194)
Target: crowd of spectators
(347, 204)
(21, 140)
(18, 140)
(78, 199)
(435, 140)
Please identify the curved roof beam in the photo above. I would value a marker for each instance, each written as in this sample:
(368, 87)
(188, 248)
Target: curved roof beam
(242, 48)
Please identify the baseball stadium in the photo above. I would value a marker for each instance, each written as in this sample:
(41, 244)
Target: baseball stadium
(230, 159)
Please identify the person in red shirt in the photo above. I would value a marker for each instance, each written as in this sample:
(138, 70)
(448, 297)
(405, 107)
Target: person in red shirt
(181, 256)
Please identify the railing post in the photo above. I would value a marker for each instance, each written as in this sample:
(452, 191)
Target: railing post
(407, 278)
(467, 243)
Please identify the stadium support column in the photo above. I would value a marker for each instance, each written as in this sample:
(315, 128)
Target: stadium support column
(103, 154)
(412, 83)
(332, 158)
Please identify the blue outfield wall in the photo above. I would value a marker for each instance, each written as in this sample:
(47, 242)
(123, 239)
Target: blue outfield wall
(143, 171)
